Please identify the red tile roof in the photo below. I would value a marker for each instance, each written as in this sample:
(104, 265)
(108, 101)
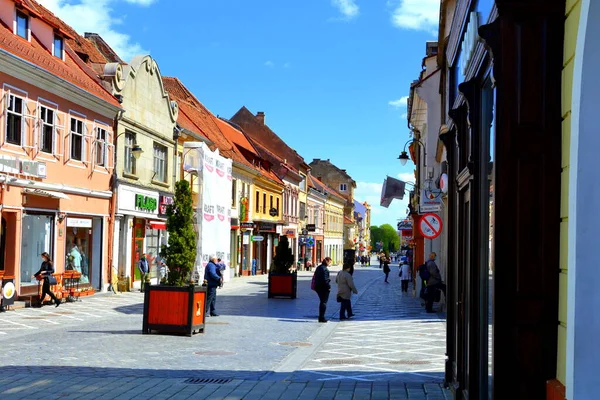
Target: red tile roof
(235, 136)
(197, 118)
(71, 70)
(261, 133)
(348, 221)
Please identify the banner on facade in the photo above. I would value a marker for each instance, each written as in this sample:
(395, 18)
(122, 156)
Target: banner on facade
(214, 205)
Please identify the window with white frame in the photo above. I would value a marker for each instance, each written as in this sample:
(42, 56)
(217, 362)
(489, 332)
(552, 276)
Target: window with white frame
(343, 187)
(15, 119)
(77, 139)
(23, 25)
(160, 163)
(100, 147)
(58, 46)
(47, 129)
(128, 159)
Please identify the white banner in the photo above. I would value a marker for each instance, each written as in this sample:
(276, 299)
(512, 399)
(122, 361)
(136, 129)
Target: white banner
(214, 207)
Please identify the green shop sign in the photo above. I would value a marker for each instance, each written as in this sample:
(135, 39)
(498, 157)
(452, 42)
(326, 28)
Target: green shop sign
(146, 203)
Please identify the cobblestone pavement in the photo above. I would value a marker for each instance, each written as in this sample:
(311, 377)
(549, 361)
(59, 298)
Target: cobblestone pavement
(258, 348)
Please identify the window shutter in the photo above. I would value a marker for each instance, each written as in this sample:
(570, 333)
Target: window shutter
(5, 100)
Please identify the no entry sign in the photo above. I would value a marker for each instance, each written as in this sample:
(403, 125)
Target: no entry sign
(430, 226)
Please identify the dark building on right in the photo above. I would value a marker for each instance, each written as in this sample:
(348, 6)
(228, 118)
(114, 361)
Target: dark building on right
(514, 156)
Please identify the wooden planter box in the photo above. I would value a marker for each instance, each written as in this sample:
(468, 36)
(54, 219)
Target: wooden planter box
(174, 309)
(283, 285)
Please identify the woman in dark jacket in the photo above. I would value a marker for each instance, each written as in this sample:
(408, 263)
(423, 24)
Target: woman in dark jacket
(386, 268)
(46, 270)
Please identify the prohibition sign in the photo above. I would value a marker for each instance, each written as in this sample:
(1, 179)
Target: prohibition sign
(430, 226)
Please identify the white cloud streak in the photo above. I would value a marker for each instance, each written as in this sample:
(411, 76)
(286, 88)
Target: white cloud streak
(420, 15)
(401, 102)
(98, 16)
(269, 64)
(348, 8)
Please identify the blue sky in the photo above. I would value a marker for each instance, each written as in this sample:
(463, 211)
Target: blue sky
(330, 75)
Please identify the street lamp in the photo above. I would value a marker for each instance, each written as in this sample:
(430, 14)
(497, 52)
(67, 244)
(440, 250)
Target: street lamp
(403, 157)
(137, 151)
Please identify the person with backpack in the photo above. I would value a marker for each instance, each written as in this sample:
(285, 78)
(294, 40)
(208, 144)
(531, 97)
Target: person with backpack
(322, 285)
(434, 282)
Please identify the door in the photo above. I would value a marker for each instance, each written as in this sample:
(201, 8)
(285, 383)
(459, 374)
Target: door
(139, 231)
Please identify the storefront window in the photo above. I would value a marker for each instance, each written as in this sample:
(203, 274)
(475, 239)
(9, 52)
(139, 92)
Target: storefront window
(155, 238)
(36, 239)
(84, 249)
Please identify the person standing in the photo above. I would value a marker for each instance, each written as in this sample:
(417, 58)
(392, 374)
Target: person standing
(434, 282)
(386, 268)
(222, 267)
(144, 271)
(346, 287)
(404, 275)
(323, 286)
(213, 281)
(45, 272)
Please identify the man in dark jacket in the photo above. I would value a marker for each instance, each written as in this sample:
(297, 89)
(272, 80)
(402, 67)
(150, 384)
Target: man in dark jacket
(213, 280)
(434, 282)
(323, 286)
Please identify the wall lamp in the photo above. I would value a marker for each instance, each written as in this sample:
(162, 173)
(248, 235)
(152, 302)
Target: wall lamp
(403, 157)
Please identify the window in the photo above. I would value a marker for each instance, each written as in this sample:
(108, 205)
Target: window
(271, 203)
(100, 147)
(316, 217)
(47, 116)
(302, 210)
(264, 207)
(343, 187)
(233, 194)
(129, 159)
(303, 183)
(22, 25)
(58, 46)
(14, 120)
(77, 141)
(257, 206)
(160, 162)
(278, 206)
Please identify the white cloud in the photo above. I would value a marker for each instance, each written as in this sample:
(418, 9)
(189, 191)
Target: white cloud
(401, 102)
(371, 193)
(287, 65)
(407, 177)
(348, 8)
(421, 15)
(269, 64)
(97, 16)
(404, 116)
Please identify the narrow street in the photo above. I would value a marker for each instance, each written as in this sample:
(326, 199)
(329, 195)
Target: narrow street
(257, 348)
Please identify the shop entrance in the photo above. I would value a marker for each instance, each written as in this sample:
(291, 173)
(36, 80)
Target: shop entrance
(139, 230)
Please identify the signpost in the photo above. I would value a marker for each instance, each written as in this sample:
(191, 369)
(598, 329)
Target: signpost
(273, 212)
(430, 226)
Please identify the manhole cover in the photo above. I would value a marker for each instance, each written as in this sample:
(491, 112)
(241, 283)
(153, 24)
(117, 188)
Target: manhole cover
(409, 362)
(295, 344)
(217, 323)
(214, 353)
(341, 361)
(198, 381)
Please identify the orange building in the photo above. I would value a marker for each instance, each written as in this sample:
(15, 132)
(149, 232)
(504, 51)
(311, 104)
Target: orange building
(56, 157)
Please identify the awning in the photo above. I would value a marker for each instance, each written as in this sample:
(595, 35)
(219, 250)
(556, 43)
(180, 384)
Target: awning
(46, 193)
(161, 225)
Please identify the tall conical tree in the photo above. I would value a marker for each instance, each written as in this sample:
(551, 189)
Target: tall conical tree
(284, 258)
(180, 253)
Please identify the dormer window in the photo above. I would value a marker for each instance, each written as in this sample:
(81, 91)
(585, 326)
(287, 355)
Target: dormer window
(23, 25)
(58, 46)
(343, 187)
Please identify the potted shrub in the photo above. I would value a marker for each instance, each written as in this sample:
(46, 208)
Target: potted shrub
(178, 304)
(283, 282)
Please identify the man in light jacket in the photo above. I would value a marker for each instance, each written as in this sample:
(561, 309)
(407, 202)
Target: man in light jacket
(346, 287)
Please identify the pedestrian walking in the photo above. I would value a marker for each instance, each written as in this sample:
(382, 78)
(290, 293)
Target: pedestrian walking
(323, 286)
(346, 287)
(404, 275)
(386, 268)
(144, 271)
(380, 258)
(222, 267)
(213, 280)
(45, 275)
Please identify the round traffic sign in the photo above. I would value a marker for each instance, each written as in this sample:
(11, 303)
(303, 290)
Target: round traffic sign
(430, 226)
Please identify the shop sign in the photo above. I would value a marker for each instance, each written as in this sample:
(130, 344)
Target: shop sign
(79, 222)
(33, 168)
(247, 225)
(290, 233)
(311, 227)
(8, 292)
(9, 165)
(258, 238)
(266, 227)
(431, 201)
(405, 225)
(244, 209)
(145, 203)
(163, 202)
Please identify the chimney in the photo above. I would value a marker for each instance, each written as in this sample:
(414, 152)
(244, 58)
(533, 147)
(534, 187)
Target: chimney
(261, 117)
